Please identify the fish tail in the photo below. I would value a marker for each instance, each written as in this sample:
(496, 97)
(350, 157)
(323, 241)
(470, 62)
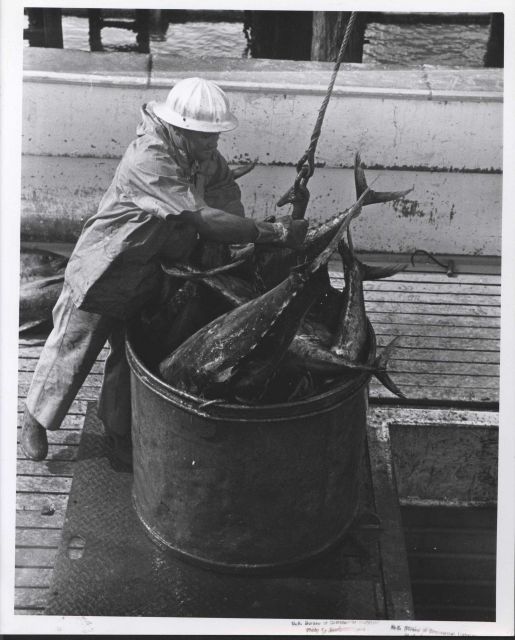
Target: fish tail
(382, 374)
(377, 273)
(372, 197)
(386, 381)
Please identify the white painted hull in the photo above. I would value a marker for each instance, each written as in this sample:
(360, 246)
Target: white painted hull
(437, 129)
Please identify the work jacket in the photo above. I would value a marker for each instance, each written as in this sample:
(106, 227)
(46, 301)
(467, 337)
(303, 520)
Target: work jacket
(114, 267)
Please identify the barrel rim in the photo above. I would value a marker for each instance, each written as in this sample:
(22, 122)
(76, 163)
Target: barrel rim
(315, 405)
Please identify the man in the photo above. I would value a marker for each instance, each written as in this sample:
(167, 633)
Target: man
(171, 188)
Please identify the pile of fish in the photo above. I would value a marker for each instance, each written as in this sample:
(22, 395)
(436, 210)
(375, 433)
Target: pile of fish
(273, 328)
(248, 324)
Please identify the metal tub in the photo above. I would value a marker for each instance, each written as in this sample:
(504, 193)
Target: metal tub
(246, 488)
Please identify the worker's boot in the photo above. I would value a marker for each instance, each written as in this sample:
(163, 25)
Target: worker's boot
(33, 438)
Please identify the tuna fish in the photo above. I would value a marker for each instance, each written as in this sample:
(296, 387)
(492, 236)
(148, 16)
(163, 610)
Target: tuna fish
(37, 299)
(339, 321)
(41, 281)
(313, 347)
(37, 263)
(350, 341)
(236, 354)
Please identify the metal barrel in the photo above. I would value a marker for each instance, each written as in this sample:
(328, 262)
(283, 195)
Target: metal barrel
(246, 488)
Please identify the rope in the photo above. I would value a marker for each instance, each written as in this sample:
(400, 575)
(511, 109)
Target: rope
(449, 267)
(309, 155)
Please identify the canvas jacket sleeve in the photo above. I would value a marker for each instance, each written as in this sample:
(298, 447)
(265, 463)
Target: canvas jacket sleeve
(156, 184)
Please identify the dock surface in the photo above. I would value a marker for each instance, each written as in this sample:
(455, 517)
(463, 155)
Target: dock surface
(448, 356)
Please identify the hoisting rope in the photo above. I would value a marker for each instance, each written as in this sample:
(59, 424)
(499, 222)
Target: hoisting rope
(305, 171)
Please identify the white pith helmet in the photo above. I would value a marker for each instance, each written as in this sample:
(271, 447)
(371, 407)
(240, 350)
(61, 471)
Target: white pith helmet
(197, 104)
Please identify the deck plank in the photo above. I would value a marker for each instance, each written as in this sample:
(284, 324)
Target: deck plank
(62, 469)
(442, 355)
(35, 557)
(43, 484)
(32, 598)
(445, 368)
(436, 331)
(445, 289)
(436, 297)
(436, 395)
(33, 577)
(34, 518)
(428, 380)
(40, 502)
(434, 277)
(40, 538)
(431, 342)
(396, 317)
(440, 308)
(56, 452)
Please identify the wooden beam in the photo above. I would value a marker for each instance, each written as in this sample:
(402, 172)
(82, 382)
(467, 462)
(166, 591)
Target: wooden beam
(284, 35)
(45, 28)
(95, 29)
(494, 56)
(328, 31)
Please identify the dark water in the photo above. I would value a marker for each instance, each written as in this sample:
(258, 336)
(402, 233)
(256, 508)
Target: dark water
(395, 44)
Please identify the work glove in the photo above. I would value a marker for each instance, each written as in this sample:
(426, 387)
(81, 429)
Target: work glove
(285, 232)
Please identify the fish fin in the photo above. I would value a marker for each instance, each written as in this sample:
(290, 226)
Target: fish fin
(31, 324)
(353, 212)
(373, 197)
(381, 363)
(386, 381)
(303, 388)
(36, 341)
(56, 249)
(209, 403)
(187, 272)
(242, 170)
(382, 359)
(42, 282)
(346, 253)
(377, 273)
(236, 291)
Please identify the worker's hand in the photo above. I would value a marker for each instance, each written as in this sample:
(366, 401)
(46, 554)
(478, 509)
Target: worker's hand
(283, 232)
(293, 232)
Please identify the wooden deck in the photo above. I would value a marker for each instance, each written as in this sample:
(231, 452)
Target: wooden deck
(448, 356)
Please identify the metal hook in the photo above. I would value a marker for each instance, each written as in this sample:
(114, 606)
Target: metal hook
(449, 267)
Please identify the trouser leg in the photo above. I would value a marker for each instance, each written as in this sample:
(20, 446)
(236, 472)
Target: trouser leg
(114, 405)
(67, 357)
